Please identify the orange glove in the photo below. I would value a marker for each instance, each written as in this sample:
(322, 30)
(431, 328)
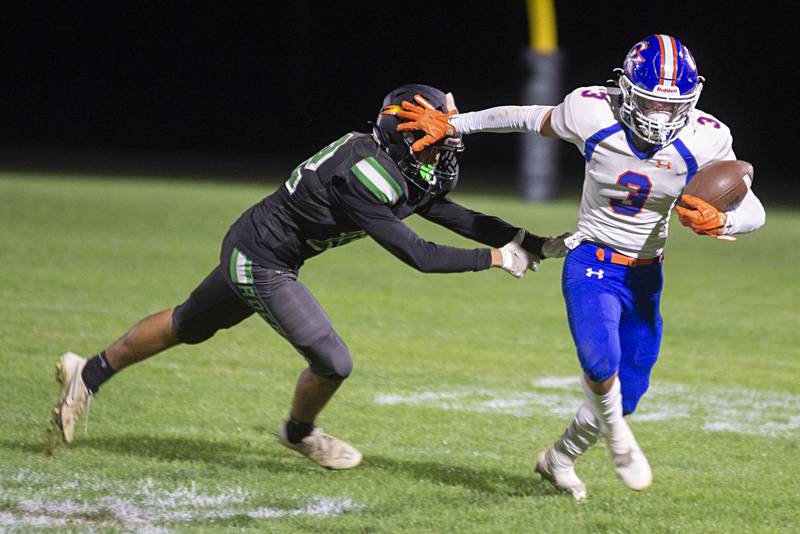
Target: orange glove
(702, 217)
(425, 118)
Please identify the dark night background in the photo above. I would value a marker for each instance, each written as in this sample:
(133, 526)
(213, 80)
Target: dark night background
(246, 89)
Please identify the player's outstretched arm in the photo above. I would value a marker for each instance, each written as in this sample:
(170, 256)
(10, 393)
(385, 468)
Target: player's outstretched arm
(491, 230)
(486, 229)
(391, 233)
(504, 119)
(425, 256)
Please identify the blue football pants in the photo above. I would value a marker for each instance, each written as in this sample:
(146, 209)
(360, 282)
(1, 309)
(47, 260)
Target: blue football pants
(613, 314)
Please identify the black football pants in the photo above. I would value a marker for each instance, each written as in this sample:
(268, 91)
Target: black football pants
(237, 288)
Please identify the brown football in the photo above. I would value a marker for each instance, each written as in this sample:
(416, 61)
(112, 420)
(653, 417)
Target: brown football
(723, 184)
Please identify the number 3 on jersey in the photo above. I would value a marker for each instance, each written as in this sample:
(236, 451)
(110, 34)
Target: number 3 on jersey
(314, 162)
(639, 186)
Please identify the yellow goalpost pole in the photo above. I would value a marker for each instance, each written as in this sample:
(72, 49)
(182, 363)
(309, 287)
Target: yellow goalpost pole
(542, 26)
(538, 168)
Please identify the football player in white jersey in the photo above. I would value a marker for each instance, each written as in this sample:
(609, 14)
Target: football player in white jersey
(643, 141)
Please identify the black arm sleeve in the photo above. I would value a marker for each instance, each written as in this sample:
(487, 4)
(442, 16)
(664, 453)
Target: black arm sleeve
(378, 221)
(477, 226)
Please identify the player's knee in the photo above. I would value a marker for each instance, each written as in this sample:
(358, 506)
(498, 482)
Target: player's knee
(342, 365)
(336, 368)
(329, 357)
(188, 329)
(599, 357)
(598, 371)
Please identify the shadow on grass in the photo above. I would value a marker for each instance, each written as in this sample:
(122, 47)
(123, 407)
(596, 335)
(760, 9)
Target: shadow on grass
(237, 455)
(475, 479)
(31, 447)
(247, 455)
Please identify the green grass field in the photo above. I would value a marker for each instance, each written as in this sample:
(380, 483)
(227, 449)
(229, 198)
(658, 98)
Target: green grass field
(459, 380)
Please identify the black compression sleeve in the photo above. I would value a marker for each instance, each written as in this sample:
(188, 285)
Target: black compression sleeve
(387, 230)
(477, 226)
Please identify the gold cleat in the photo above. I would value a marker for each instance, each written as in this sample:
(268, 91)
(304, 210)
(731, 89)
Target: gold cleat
(323, 449)
(74, 397)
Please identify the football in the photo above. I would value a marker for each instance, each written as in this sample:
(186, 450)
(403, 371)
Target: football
(723, 184)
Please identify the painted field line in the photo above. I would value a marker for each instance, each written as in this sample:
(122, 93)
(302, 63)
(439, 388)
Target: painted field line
(712, 408)
(34, 499)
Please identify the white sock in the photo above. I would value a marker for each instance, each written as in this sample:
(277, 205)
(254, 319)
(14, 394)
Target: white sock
(581, 434)
(608, 410)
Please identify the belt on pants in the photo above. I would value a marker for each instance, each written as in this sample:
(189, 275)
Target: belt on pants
(622, 259)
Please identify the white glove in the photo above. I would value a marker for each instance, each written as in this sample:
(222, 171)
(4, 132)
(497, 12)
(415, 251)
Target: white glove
(555, 247)
(515, 259)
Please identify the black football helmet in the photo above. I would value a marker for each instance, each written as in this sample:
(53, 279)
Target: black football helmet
(435, 169)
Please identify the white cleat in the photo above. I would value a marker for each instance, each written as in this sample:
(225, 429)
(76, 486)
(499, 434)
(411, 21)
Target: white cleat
(629, 461)
(562, 477)
(633, 468)
(323, 449)
(74, 397)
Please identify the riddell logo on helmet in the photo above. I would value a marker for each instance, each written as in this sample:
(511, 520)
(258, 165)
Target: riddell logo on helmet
(667, 89)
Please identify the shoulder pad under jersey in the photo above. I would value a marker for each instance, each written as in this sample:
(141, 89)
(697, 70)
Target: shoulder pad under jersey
(589, 109)
(709, 138)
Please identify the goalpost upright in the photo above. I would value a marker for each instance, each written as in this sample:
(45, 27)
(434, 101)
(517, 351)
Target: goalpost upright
(538, 167)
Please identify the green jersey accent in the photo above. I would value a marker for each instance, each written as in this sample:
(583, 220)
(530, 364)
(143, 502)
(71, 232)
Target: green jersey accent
(241, 271)
(377, 180)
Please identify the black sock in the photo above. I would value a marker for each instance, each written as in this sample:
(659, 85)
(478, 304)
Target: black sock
(96, 371)
(297, 430)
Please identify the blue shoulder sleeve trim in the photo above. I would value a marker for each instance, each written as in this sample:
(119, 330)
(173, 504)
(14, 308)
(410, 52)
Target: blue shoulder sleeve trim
(688, 157)
(596, 138)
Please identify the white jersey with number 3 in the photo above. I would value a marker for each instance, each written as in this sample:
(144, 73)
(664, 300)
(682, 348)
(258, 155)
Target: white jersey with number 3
(627, 194)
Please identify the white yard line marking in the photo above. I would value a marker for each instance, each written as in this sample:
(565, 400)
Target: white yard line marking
(558, 382)
(37, 500)
(714, 409)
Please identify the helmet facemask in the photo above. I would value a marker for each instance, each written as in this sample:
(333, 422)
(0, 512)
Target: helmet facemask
(657, 116)
(434, 169)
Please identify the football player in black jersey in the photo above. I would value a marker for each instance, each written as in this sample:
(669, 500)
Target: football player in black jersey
(362, 184)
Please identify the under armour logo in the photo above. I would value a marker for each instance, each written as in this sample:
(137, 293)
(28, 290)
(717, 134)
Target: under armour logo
(663, 164)
(598, 272)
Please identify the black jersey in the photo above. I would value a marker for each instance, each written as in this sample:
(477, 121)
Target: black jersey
(351, 189)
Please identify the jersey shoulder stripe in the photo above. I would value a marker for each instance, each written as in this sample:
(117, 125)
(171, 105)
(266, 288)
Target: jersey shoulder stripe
(597, 138)
(377, 180)
(688, 157)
